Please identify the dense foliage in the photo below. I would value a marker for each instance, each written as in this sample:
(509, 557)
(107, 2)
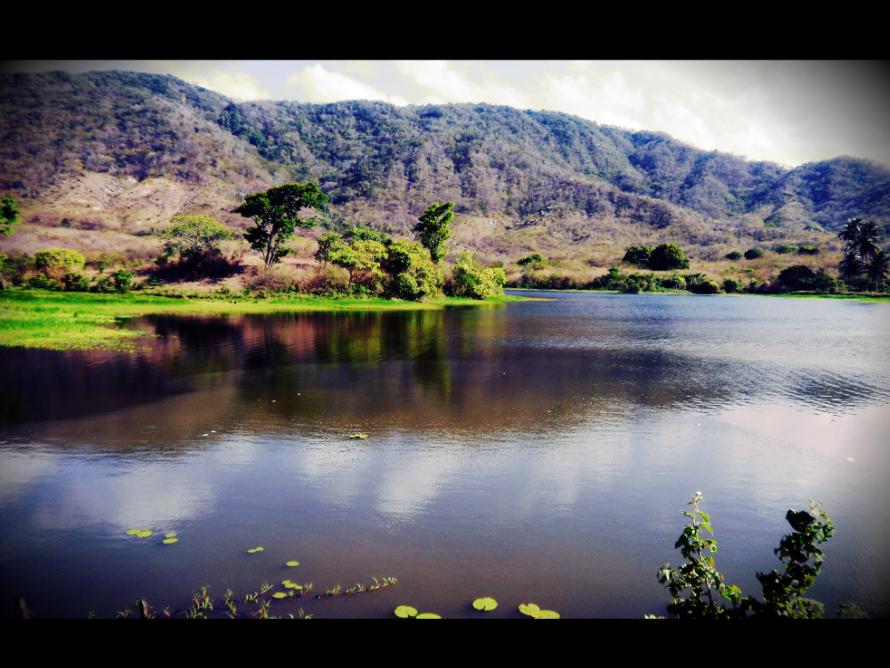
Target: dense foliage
(471, 279)
(434, 227)
(533, 261)
(638, 255)
(699, 591)
(668, 256)
(9, 215)
(865, 264)
(54, 262)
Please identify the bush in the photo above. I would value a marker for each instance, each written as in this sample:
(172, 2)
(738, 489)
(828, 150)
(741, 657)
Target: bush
(411, 272)
(701, 284)
(784, 249)
(698, 589)
(75, 282)
(801, 277)
(103, 284)
(533, 261)
(42, 282)
(471, 279)
(668, 256)
(638, 255)
(731, 285)
(123, 280)
(753, 253)
(675, 282)
(807, 250)
(733, 255)
(56, 262)
(194, 239)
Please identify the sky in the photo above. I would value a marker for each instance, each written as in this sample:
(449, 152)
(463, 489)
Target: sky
(789, 112)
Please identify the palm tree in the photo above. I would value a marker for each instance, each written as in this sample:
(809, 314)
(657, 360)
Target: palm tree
(869, 236)
(850, 234)
(877, 270)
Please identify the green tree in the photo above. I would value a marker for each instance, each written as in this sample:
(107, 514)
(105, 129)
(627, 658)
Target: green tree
(194, 238)
(327, 242)
(668, 256)
(877, 269)
(277, 213)
(55, 262)
(411, 272)
(864, 263)
(638, 255)
(533, 261)
(471, 279)
(433, 229)
(9, 215)
(360, 258)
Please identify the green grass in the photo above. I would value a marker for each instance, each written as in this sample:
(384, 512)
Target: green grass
(79, 321)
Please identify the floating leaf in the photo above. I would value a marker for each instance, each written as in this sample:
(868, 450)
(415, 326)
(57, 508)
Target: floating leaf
(486, 604)
(292, 563)
(361, 436)
(254, 550)
(170, 541)
(279, 595)
(145, 533)
(405, 611)
(529, 609)
(172, 534)
(428, 615)
(548, 614)
(134, 532)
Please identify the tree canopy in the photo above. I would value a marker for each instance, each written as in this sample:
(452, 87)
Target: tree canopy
(194, 237)
(277, 213)
(9, 215)
(433, 229)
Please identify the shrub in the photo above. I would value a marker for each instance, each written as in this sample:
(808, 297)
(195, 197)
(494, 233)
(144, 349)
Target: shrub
(701, 284)
(698, 590)
(411, 271)
(103, 284)
(732, 285)
(668, 256)
(753, 253)
(733, 255)
(674, 282)
(123, 280)
(533, 261)
(56, 262)
(75, 282)
(471, 279)
(807, 250)
(801, 277)
(784, 249)
(638, 255)
(42, 282)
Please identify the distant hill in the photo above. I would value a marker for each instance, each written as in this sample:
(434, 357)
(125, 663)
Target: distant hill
(118, 153)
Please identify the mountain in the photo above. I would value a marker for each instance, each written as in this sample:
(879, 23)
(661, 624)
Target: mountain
(118, 153)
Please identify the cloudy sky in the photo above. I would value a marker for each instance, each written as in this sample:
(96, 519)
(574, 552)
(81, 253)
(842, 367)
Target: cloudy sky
(788, 112)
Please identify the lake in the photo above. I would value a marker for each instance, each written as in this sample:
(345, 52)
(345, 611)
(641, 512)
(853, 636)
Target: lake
(533, 452)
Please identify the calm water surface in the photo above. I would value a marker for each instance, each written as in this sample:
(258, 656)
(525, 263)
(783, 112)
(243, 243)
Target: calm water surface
(537, 451)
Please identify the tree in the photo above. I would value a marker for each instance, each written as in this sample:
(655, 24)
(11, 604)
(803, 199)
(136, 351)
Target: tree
(55, 262)
(533, 261)
(9, 215)
(471, 279)
(862, 254)
(433, 229)
(668, 256)
(638, 255)
(194, 238)
(277, 213)
(412, 274)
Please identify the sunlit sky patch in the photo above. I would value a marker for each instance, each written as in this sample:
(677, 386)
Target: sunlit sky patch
(790, 112)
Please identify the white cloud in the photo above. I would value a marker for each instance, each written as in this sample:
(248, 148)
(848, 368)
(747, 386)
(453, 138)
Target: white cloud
(608, 99)
(440, 83)
(316, 83)
(236, 85)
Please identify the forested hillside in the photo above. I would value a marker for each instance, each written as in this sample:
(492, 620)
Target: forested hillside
(108, 157)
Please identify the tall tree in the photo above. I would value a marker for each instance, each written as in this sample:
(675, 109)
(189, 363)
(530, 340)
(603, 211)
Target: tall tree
(9, 215)
(877, 270)
(862, 254)
(277, 213)
(433, 229)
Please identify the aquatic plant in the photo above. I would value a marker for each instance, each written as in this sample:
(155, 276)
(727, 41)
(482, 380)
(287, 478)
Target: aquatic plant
(485, 604)
(405, 611)
(359, 436)
(428, 615)
(534, 611)
(292, 564)
(256, 550)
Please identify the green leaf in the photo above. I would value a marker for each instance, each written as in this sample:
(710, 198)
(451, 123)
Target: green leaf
(405, 611)
(172, 534)
(547, 614)
(145, 533)
(134, 532)
(529, 609)
(170, 541)
(279, 595)
(292, 563)
(428, 615)
(485, 604)
(255, 550)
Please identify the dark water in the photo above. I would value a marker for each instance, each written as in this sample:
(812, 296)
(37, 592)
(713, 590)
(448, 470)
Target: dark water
(537, 451)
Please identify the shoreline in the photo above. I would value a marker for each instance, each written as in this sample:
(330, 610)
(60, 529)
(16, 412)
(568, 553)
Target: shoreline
(786, 295)
(53, 320)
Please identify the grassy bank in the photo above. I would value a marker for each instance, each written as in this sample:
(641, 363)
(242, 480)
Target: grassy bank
(76, 320)
(863, 297)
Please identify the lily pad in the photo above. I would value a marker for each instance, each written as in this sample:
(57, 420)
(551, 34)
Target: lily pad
(172, 534)
(254, 550)
(360, 436)
(145, 533)
(170, 541)
(405, 611)
(548, 614)
(134, 532)
(428, 615)
(292, 563)
(485, 604)
(279, 595)
(530, 609)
